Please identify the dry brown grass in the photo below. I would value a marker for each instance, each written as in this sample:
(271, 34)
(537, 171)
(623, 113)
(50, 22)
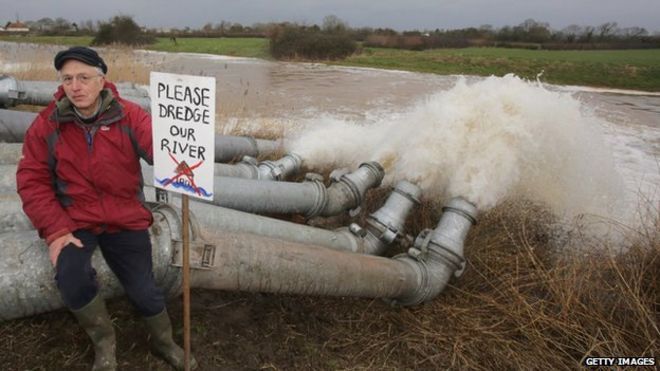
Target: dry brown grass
(37, 63)
(522, 304)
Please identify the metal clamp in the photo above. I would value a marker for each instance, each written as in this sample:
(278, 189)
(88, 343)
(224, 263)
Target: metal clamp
(202, 254)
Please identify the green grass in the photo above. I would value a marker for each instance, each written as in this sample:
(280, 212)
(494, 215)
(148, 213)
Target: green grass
(624, 69)
(234, 46)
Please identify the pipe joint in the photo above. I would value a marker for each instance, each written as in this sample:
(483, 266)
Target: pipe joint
(348, 190)
(9, 91)
(387, 223)
(280, 169)
(368, 175)
(321, 199)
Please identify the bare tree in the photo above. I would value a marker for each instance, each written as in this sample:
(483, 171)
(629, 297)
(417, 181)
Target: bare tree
(332, 23)
(606, 30)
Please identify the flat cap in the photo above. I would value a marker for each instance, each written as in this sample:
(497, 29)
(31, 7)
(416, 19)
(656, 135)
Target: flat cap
(82, 54)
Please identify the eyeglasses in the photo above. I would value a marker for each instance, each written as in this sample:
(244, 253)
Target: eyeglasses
(82, 78)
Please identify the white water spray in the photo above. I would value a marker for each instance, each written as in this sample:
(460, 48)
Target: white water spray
(485, 141)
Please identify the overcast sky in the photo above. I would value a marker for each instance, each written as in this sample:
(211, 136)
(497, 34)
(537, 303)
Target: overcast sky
(397, 14)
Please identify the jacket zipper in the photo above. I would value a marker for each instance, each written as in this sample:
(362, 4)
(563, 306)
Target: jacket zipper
(89, 136)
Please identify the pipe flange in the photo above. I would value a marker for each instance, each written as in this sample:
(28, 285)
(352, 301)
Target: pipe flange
(337, 175)
(452, 260)
(462, 207)
(353, 188)
(253, 143)
(249, 160)
(386, 233)
(409, 191)
(375, 168)
(321, 200)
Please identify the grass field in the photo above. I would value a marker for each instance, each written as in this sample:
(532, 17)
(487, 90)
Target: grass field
(624, 69)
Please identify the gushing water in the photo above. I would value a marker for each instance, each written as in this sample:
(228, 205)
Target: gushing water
(485, 141)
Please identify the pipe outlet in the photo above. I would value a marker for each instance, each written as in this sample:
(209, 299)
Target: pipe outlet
(387, 223)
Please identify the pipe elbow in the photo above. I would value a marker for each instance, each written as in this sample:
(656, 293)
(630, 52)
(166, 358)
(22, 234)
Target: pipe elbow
(438, 255)
(432, 279)
(349, 190)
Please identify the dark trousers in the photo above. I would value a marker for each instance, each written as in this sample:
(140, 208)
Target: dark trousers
(127, 253)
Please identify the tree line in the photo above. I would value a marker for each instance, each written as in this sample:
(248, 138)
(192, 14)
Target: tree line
(335, 39)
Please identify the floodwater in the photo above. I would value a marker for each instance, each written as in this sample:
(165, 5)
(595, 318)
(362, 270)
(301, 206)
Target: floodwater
(579, 150)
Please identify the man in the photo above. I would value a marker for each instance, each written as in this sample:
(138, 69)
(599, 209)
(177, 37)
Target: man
(81, 186)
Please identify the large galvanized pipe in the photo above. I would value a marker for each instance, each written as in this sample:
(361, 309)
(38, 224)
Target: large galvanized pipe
(229, 148)
(382, 228)
(387, 223)
(260, 264)
(309, 198)
(252, 263)
(438, 254)
(40, 93)
(213, 217)
(255, 263)
(12, 218)
(10, 153)
(13, 125)
(26, 274)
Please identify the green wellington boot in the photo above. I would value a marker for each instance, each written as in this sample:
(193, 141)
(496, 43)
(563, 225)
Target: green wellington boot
(162, 344)
(94, 319)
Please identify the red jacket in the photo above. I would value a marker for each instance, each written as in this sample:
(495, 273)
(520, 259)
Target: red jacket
(85, 176)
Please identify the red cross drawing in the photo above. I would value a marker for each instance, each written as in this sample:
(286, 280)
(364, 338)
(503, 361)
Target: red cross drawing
(182, 169)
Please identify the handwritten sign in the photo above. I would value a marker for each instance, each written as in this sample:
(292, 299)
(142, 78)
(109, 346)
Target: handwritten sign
(183, 119)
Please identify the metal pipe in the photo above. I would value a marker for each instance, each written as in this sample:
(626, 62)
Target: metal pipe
(26, 274)
(310, 198)
(249, 262)
(8, 178)
(12, 218)
(10, 153)
(256, 263)
(13, 125)
(213, 217)
(40, 93)
(383, 226)
(229, 148)
(387, 223)
(438, 254)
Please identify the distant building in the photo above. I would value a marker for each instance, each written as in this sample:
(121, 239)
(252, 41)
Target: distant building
(17, 27)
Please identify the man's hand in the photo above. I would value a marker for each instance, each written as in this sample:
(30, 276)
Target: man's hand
(59, 243)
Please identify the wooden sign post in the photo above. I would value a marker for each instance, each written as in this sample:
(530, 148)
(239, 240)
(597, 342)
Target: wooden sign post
(183, 126)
